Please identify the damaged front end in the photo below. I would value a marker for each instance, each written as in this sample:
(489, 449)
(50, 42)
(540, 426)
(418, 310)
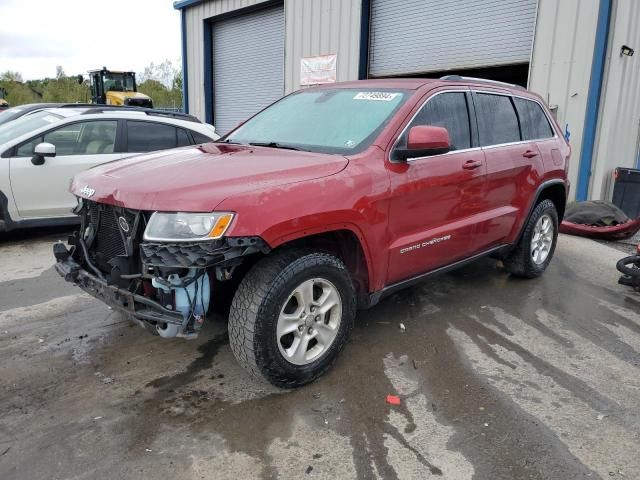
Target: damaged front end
(165, 285)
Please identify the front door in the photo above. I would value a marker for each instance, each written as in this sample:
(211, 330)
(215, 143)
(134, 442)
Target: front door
(437, 200)
(43, 190)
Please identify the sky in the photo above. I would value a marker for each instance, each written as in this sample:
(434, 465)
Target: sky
(81, 35)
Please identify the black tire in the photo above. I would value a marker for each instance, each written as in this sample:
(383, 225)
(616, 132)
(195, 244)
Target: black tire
(520, 262)
(257, 304)
(629, 266)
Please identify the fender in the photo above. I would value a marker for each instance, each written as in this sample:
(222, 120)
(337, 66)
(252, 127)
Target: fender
(327, 228)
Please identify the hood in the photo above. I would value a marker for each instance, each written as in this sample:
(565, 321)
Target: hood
(197, 179)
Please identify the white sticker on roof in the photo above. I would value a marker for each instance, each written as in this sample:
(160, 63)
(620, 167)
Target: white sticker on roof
(376, 96)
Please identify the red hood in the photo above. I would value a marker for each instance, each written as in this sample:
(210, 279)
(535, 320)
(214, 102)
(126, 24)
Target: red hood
(197, 179)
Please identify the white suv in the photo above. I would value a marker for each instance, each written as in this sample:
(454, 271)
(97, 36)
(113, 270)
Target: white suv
(41, 152)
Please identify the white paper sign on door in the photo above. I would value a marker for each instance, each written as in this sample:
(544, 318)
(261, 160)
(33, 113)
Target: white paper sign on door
(318, 70)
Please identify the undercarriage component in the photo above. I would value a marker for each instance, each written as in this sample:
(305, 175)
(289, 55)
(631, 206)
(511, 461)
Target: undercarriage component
(191, 296)
(139, 306)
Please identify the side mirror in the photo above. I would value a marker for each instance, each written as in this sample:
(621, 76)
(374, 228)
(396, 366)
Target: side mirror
(423, 141)
(42, 151)
(80, 79)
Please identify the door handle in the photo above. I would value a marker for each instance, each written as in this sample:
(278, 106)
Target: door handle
(530, 154)
(471, 164)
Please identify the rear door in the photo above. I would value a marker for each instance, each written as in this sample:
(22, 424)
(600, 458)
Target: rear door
(513, 166)
(437, 200)
(43, 190)
(151, 136)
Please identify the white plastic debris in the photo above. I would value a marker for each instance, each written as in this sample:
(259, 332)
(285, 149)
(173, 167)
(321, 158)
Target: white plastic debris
(148, 450)
(402, 327)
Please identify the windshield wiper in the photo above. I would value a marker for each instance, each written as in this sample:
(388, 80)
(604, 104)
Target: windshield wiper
(284, 146)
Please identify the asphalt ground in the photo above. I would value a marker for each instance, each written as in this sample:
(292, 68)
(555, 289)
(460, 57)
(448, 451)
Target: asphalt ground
(499, 378)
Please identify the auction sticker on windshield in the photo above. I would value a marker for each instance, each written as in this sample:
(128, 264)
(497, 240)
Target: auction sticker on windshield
(376, 96)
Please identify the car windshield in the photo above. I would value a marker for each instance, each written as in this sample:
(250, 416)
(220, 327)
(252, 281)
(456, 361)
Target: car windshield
(343, 121)
(118, 82)
(26, 124)
(9, 114)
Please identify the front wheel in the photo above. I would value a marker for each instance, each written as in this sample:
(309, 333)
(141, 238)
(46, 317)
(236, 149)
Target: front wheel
(535, 250)
(291, 316)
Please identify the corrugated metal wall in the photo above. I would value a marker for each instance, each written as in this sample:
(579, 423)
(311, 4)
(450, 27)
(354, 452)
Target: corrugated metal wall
(619, 121)
(313, 27)
(321, 27)
(415, 36)
(561, 64)
(195, 46)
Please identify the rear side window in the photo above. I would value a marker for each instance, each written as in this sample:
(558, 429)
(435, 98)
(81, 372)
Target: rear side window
(199, 138)
(182, 137)
(533, 121)
(497, 120)
(150, 136)
(448, 110)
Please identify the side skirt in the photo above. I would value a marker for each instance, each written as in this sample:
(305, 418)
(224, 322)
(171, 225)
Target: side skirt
(375, 297)
(7, 224)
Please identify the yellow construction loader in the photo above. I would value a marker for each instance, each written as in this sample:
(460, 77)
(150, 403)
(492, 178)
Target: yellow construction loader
(109, 87)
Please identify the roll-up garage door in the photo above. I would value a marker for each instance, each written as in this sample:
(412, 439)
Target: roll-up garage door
(418, 36)
(248, 65)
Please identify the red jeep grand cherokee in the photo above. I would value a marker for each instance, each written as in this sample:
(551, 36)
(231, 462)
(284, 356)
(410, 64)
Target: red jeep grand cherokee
(326, 201)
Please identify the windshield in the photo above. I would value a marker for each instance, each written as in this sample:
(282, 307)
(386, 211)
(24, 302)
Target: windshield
(26, 124)
(118, 82)
(9, 114)
(343, 121)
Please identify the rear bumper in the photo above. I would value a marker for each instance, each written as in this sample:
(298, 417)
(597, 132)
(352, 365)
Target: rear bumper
(139, 306)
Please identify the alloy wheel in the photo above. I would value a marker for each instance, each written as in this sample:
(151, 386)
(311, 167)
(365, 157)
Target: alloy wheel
(309, 321)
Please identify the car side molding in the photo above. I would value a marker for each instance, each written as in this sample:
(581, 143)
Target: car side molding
(375, 297)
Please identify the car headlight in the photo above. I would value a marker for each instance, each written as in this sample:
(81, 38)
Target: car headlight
(187, 227)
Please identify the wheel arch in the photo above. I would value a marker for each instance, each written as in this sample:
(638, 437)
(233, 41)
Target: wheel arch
(557, 193)
(554, 190)
(345, 242)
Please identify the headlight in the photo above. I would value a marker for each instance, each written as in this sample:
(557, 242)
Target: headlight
(187, 227)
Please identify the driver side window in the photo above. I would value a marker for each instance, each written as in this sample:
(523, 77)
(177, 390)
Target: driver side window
(83, 138)
(448, 110)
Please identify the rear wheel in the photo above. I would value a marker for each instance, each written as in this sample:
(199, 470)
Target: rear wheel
(291, 316)
(535, 250)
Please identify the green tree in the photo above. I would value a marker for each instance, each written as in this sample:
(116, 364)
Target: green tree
(163, 83)
(10, 76)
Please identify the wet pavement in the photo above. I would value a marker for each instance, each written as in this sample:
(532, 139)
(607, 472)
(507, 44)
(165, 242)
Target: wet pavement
(499, 378)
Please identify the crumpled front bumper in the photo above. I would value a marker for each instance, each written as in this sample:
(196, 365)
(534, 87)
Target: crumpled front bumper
(139, 306)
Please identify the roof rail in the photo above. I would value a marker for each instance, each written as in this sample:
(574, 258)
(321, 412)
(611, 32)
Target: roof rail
(481, 80)
(147, 111)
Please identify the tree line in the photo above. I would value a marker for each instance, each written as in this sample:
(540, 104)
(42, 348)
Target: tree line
(162, 82)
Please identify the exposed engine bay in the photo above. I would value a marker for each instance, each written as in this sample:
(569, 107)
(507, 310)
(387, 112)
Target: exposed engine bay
(165, 286)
